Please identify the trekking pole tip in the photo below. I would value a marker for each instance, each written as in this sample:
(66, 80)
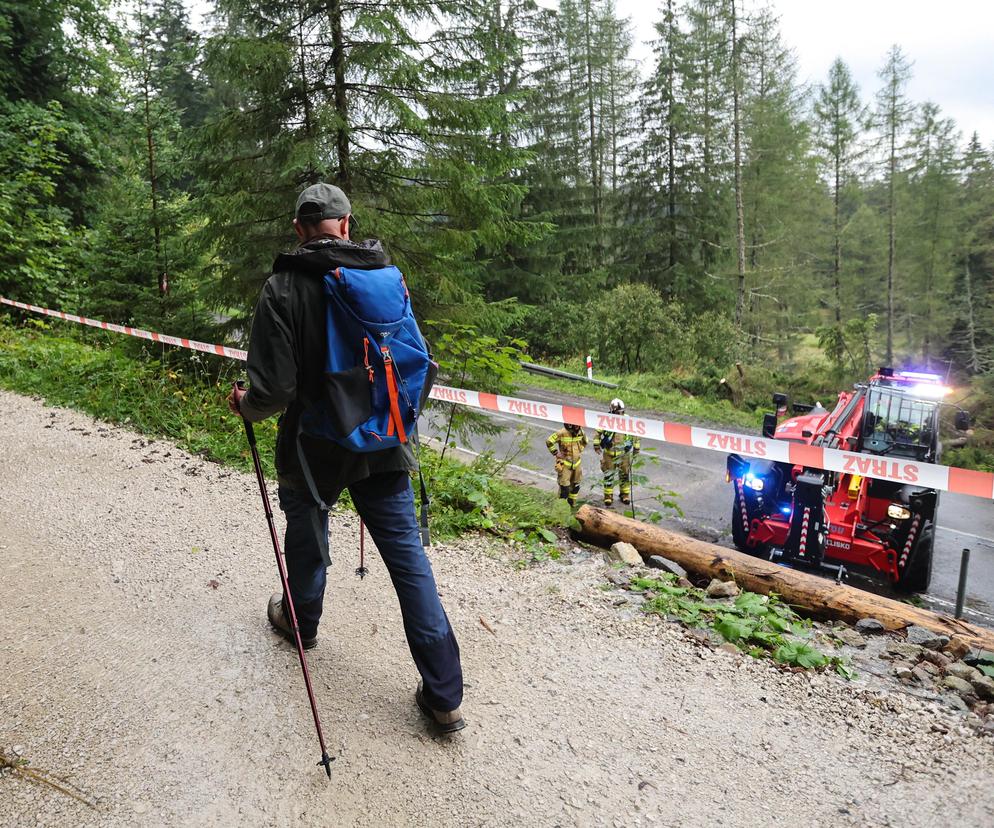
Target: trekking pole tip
(326, 760)
(362, 572)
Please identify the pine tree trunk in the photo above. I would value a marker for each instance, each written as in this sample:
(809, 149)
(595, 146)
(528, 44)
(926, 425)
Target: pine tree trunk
(812, 594)
(737, 161)
(837, 259)
(973, 360)
(153, 177)
(671, 140)
(312, 174)
(891, 239)
(590, 114)
(344, 175)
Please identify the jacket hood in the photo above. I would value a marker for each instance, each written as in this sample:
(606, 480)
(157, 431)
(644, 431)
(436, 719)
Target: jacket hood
(320, 256)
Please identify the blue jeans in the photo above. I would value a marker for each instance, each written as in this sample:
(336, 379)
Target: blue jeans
(386, 505)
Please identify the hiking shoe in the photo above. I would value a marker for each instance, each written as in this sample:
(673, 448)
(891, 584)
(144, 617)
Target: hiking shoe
(445, 722)
(277, 617)
(626, 501)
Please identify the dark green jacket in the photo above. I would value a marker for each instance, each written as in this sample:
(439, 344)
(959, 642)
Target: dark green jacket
(286, 360)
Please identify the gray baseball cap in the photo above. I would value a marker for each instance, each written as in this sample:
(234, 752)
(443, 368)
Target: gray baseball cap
(322, 201)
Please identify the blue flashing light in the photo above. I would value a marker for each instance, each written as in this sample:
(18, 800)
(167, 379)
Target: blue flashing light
(920, 375)
(786, 510)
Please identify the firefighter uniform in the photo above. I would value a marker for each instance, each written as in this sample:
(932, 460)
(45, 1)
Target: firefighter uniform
(567, 446)
(617, 452)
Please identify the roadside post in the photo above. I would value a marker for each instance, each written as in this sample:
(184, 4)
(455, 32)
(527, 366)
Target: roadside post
(964, 566)
(590, 367)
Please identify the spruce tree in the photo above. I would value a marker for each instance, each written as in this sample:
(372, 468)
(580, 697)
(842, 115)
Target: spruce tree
(373, 99)
(782, 194)
(972, 335)
(892, 116)
(839, 118)
(933, 182)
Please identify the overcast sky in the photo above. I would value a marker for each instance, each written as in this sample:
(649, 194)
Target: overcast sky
(950, 41)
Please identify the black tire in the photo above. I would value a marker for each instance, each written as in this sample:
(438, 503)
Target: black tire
(740, 534)
(917, 574)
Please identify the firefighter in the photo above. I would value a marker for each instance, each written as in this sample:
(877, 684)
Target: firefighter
(617, 453)
(567, 446)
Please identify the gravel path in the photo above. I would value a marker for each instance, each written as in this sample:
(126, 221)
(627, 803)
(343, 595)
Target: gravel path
(137, 665)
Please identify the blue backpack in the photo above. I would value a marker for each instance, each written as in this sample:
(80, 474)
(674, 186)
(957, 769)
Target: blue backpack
(378, 371)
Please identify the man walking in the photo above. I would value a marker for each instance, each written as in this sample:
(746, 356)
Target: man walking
(567, 446)
(617, 455)
(286, 372)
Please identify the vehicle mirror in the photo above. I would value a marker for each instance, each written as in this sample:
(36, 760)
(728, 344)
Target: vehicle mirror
(737, 467)
(779, 401)
(962, 421)
(769, 425)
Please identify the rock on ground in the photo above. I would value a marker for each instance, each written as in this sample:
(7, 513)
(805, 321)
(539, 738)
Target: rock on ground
(722, 589)
(622, 552)
(869, 626)
(167, 701)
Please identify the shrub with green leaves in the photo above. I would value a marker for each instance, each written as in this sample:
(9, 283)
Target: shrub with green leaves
(760, 625)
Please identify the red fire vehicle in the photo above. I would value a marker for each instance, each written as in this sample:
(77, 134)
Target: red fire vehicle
(835, 521)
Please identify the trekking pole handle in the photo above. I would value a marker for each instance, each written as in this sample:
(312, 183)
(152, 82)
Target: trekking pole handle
(249, 431)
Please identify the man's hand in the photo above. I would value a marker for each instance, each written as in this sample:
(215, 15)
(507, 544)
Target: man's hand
(235, 398)
(597, 448)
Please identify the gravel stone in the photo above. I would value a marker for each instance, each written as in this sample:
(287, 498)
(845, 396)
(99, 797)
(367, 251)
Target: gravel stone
(659, 562)
(849, 637)
(905, 651)
(984, 687)
(961, 686)
(722, 589)
(926, 638)
(624, 553)
(869, 626)
(963, 671)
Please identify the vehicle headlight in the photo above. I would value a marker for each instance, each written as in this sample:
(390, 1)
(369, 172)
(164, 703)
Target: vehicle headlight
(754, 483)
(898, 512)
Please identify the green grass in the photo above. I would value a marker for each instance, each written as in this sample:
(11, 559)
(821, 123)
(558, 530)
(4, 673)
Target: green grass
(184, 401)
(649, 393)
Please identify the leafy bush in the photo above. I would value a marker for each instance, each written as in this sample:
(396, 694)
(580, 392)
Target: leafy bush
(760, 625)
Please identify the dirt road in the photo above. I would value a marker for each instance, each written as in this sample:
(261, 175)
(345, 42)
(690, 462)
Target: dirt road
(137, 666)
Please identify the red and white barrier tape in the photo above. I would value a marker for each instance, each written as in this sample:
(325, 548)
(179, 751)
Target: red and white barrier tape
(944, 478)
(165, 339)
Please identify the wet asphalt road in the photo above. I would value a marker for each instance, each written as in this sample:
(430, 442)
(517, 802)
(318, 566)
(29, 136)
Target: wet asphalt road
(696, 476)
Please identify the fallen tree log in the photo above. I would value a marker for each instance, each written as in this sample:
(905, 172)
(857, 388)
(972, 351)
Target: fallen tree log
(810, 594)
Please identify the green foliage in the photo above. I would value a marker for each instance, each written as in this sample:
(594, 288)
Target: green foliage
(760, 625)
(466, 359)
(184, 401)
(380, 99)
(849, 348)
(35, 236)
(476, 498)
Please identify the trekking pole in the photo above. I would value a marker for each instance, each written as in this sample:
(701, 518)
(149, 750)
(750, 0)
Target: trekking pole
(250, 434)
(362, 572)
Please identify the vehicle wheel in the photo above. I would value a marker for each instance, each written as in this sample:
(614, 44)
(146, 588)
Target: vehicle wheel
(740, 533)
(917, 574)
